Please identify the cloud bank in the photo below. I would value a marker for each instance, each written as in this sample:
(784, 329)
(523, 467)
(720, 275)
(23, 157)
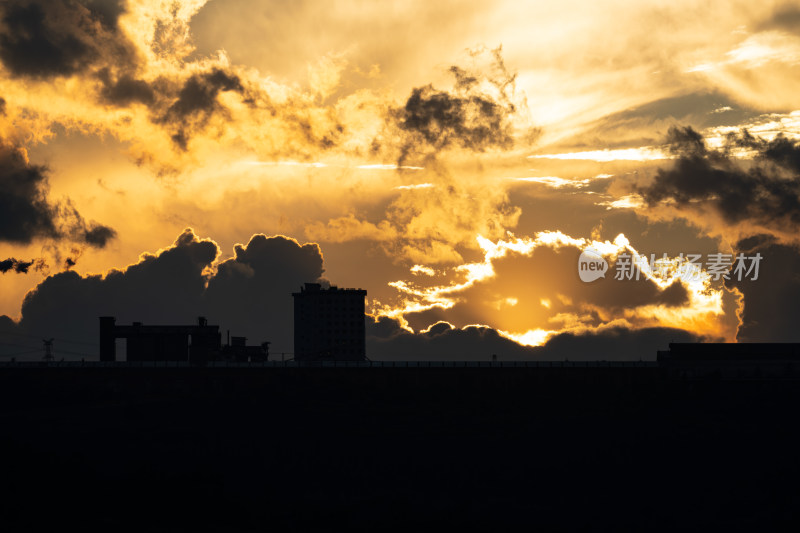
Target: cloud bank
(251, 294)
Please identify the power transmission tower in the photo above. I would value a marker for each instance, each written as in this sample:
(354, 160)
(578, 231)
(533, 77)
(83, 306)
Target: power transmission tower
(48, 349)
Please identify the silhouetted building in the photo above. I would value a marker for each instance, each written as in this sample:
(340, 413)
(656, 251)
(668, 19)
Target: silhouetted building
(730, 351)
(329, 324)
(160, 343)
(238, 351)
(742, 360)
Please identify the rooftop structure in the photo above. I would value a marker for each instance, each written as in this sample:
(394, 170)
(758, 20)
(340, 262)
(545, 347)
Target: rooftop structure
(237, 350)
(196, 344)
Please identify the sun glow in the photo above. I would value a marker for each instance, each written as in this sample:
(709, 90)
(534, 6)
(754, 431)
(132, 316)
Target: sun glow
(703, 308)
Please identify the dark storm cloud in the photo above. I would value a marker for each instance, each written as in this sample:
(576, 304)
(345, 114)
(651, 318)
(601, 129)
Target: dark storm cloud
(442, 119)
(781, 151)
(26, 213)
(43, 39)
(71, 226)
(106, 11)
(197, 101)
(771, 311)
(766, 192)
(250, 294)
(199, 94)
(125, 90)
(20, 267)
(687, 142)
(183, 107)
(435, 120)
(386, 340)
(465, 117)
(97, 235)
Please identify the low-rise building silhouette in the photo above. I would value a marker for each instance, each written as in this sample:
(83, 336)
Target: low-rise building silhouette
(195, 344)
(238, 351)
(731, 360)
(329, 324)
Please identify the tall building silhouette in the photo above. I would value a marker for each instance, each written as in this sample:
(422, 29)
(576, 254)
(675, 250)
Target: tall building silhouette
(329, 324)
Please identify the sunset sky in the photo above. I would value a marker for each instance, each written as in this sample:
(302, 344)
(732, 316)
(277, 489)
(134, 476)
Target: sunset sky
(162, 160)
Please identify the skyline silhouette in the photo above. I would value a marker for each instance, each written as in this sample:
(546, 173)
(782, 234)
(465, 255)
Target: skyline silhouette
(362, 266)
(170, 164)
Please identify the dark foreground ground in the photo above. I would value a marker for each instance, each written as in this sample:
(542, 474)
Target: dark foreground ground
(201, 449)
